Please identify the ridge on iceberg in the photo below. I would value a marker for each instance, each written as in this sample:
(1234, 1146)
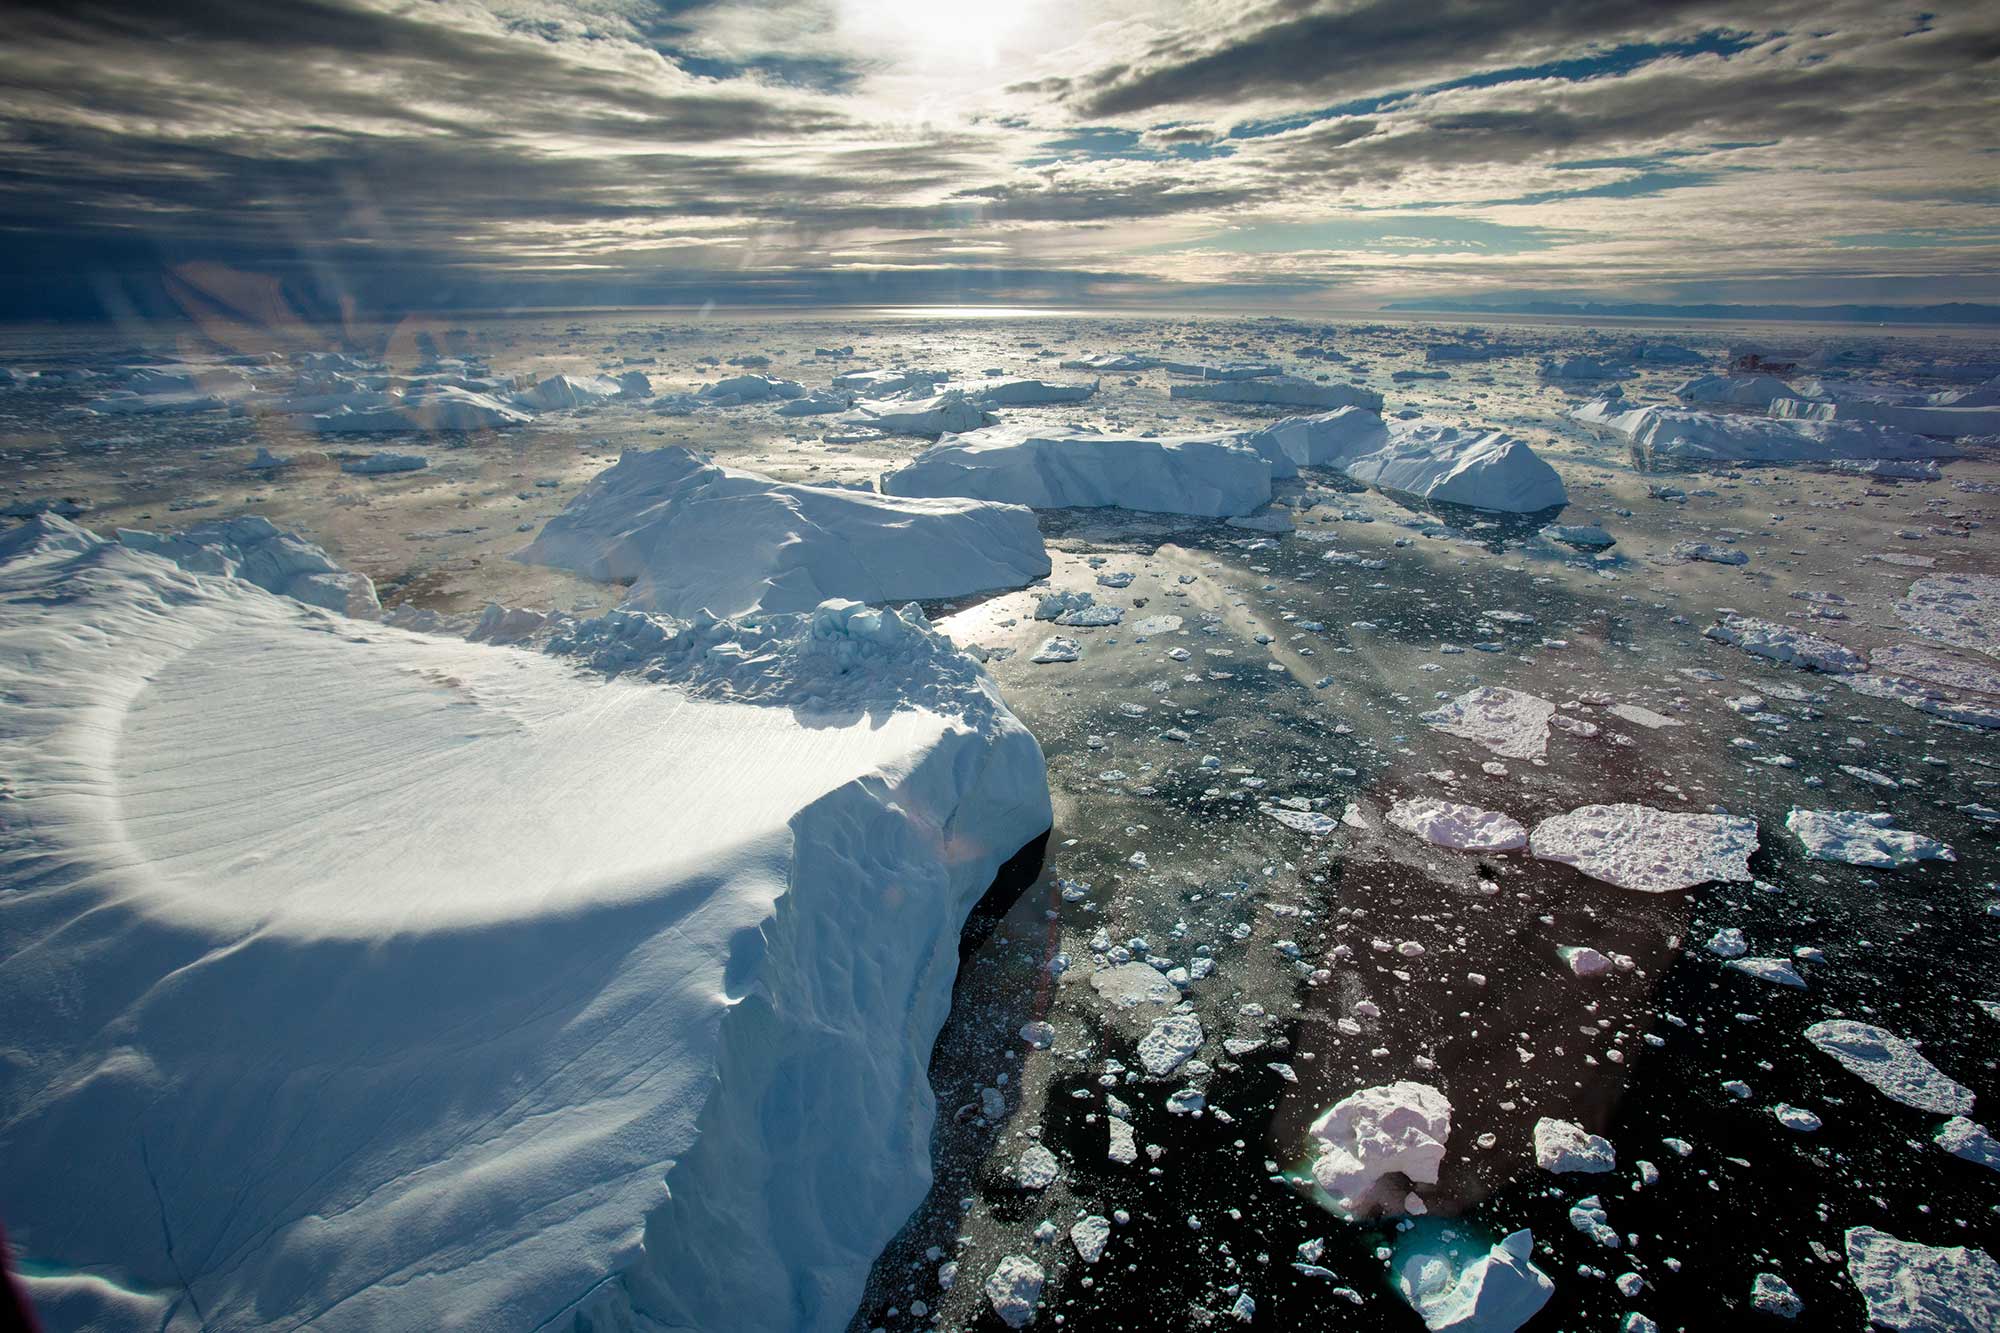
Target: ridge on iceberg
(408, 982)
(253, 549)
(1485, 469)
(1330, 439)
(1205, 476)
(690, 535)
(1284, 390)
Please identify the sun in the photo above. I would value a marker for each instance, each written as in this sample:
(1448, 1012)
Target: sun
(931, 30)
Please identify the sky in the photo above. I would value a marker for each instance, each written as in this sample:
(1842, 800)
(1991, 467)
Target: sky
(369, 156)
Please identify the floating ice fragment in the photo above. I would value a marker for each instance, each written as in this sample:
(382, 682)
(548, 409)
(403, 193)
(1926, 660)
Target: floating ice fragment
(1894, 1066)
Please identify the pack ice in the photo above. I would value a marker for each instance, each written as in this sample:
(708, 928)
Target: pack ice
(691, 535)
(363, 979)
(1205, 476)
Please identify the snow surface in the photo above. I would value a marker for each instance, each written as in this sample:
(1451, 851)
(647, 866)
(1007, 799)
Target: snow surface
(1399, 1128)
(1464, 828)
(1916, 1288)
(691, 535)
(1652, 851)
(1205, 476)
(1862, 838)
(1494, 1293)
(253, 549)
(365, 979)
(1895, 1067)
(1485, 469)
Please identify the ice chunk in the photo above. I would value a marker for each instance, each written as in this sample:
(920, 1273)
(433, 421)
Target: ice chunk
(1728, 942)
(1583, 960)
(1588, 1216)
(427, 409)
(1714, 555)
(1129, 985)
(1090, 1235)
(1507, 722)
(1863, 838)
(560, 393)
(1778, 970)
(1464, 828)
(1563, 1146)
(1399, 1128)
(1653, 851)
(1891, 1064)
(1055, 648)
(750, 389)
(252, 548)
(1169, 1044)
(1585, 537)
(1772, 1295)
(1484, 469)
(1036, 1168)
(1282, 390)
(1784, 643)
(1915, 1288)
(1207, 476)
(1310, 822)
(1014, 1290)
(1735, 390)
(1029, 393)
(1962, 1138)
(1496, 1292)
(689, 535)
(376, 464)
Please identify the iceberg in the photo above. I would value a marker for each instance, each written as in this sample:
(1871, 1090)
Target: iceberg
(750, 389)
(1454, 1290)
(1512, 724)
(1283, 390)
(944, 414)
(1863, 838)
(1673, 435)
(253, 549)
(426, 410)
(1111, 361)
(1948, 421)
(1400, 1128)
(1483, 469)
(1233, 370)
(1893, 1066)
(690, 535)
(1463, 828)
(1330, 439)
(1783, 643)
(1205, 476)
(1028, 393)
(408, 982)
(561, 393)
(1735, 390)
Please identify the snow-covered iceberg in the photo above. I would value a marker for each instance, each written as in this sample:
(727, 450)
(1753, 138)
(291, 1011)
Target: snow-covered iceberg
(252, 548)
(1028, 393)
(1735, 390)
(1207, 476)
(1949, 421)
(1674, 435)
(380, 980)
(1485, 469)
(561, 393)
(428, 409)
(691, 535)
(943, 414)
(1283, 390)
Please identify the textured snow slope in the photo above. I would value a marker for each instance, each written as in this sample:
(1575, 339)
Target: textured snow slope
(362, 979)
(691, 535)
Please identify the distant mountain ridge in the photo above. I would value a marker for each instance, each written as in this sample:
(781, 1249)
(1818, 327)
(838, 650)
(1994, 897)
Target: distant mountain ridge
(1953, 312)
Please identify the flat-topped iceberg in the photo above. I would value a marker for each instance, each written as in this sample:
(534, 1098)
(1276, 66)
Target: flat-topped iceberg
(1206, 476)
(1484, 469)
(1785, 643)
(1027, 393)
(1891, 1065)
(691, 535)
(942, 414)
(1863, 838)
(1283, 390)
(1673, 435)
(384, 980)
(1950, 422)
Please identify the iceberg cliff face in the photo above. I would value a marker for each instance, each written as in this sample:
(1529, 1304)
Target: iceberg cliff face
(690, 535)
(368, 979)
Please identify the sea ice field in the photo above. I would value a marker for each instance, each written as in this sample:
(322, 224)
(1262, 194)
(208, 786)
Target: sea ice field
(898, 819)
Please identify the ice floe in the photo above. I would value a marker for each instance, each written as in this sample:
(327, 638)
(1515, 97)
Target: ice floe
(1959, 609)
(1508, 722)
(1895, 1067)
(1494, 1292)
(1916, 1288)
(1563, 1146)
(1652, 851)
(1464, 828)
(1862, 838)
(1786, 643)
